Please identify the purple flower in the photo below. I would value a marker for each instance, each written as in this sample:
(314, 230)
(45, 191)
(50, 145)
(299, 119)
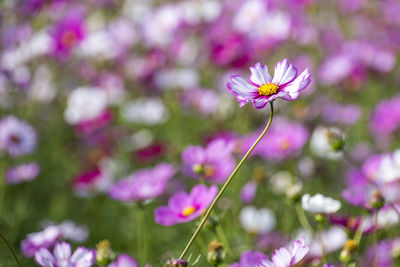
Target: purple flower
(61, 256)
(250, 258)
(213, 163)
(16, 136)
(285, 257)
(22, 173)
(183, 207)
(143, 185)
(285, 139)
(248, 192)
(124, 260)
(386, 118)
(45, 239)
(262, 88)
(67, 33)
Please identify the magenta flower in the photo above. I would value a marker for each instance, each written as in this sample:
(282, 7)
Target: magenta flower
(262, 88)
(67, 33)
(22, 173)
(183, 207)
(16, 136)
(124, 260)
(61, 256)
(213, 163)
(143, 185)
(250, 258)
(285, 257)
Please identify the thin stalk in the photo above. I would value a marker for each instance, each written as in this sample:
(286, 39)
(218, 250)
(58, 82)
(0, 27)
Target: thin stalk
(14, 255)
(141, 234)
(302, 218)
(321, 240)
(221, 235)
(376, 239)
(205, 218)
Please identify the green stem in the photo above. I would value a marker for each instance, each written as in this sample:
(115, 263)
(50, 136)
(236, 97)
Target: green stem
(204, 220)
(376, 240)
(302, 218)
(221, 235)
(141, 234)
(359, 232)
(321, 240)
(11, 250)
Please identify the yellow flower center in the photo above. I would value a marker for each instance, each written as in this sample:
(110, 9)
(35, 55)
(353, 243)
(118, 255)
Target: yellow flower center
(284, 144)
(209, 171)
(188, 211)
(268, 89)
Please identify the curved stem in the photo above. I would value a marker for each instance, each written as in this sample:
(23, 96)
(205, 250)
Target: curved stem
(11, 250)
(204, 220)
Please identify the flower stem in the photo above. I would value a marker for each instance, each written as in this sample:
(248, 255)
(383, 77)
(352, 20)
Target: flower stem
(376, 239)
(204, 220)
(141, 233)
(321, 240)
(11, 250)
(302, 218)
(221, 235)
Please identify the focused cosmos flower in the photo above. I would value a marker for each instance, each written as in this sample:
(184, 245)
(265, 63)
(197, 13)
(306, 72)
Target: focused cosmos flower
(262, 88)
(16, 136)
(320, 204)
(61, 256)
(213, 163)
(183, 207)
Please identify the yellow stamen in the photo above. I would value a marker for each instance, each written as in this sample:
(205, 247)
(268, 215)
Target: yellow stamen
(188, 211)
(268, 89)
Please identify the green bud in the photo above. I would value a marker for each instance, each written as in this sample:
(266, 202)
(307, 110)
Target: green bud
(103, 253)
(216, 253)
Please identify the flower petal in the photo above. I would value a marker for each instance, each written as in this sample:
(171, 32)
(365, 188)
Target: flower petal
(44, 258)
(62, 251)
(282, 257)
(293, 88)
(242, 90)
(259, 75)
(284, 73)
(299, 250)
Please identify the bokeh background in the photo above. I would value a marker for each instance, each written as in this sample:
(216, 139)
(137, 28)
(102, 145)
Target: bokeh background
(110, 87)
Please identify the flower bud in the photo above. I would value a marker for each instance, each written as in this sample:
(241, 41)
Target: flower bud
(348, 251)
(216, 253)
(294, 192)
(103, 252)
(176, 263)
(335, 139)
(198, 168)
(377, 200)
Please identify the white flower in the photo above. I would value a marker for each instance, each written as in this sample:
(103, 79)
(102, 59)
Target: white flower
(320, 204)
(333, 238)
(389, 170)
(257, 221)
(85, 103)
(150, 111)
(326, 141)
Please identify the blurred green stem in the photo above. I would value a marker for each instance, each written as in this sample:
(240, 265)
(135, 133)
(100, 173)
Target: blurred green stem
(142, 233)
(321, 240)
(302, 218)
(376, 239)
(224, 240)
(11, 250)
(205, 218)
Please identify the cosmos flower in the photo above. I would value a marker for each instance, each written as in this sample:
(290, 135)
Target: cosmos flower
(44, 239)
(22, 173)
(327, 142)
(257, 221)
(143, 185)
(285, 257)
(183, 207)
(262, 88)
(124, 260)
(67, 33)
(213, 163)
(16, 136)
(320, 204)
(250, 258)
(61, 256)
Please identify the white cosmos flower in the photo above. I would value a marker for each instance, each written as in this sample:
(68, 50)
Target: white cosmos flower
(324, 140)
(258, 221)
(320, 204)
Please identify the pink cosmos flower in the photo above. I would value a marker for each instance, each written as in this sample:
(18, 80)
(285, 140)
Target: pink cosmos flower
(61, 256)
(183, 207)
(143, 185)
(67, 33)
(263, 88)
(22, 173)
(285, 257)
(124, 260)
(213, 163)
(44, 239)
